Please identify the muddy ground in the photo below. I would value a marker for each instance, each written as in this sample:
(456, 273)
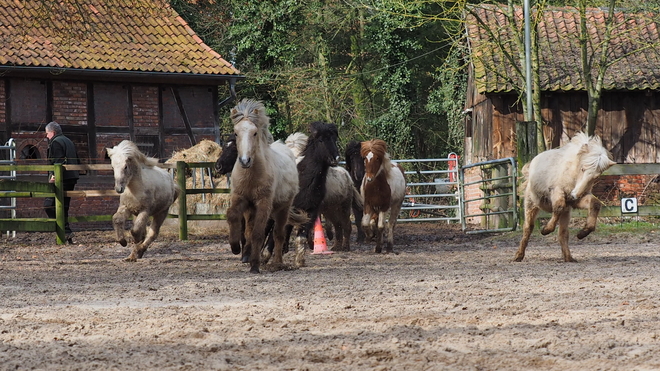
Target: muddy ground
(443, 301)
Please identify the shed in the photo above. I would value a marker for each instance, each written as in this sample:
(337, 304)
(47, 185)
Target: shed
(629, 118)
(107, 70)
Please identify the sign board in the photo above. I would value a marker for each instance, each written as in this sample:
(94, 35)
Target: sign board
(628, 205)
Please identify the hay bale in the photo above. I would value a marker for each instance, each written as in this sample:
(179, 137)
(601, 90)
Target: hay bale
(204, 151)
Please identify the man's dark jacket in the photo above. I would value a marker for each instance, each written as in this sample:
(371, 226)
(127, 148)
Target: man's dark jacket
(61, 150)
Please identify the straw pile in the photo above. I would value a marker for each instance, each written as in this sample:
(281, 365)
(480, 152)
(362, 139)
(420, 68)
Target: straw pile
(204, 151)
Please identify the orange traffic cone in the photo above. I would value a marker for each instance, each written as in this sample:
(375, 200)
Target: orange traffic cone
(320, 246)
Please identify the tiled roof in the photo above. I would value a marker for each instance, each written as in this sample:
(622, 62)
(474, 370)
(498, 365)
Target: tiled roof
(634, 50)
(116, 35)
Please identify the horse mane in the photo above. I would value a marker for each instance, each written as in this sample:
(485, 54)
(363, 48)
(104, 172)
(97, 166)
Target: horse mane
(130, 150)
(255, 112)
(297, 142)
(592, 153)
(379, 148)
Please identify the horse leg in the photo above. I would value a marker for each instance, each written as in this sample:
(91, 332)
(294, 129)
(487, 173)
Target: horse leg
(531, 210)
(380, 229)
(281, 232)
(138, 232)
(119, 223)
(269, 246)
(394, 213)
(358, 211)
(304, 240)
(592, 204)
(257, 236)
(236, 224)
(564, 219)
(247, 232)
(152, 233)
(558, 200)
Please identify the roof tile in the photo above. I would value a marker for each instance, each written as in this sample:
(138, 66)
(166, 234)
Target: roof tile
(634, 50)
(115, 35)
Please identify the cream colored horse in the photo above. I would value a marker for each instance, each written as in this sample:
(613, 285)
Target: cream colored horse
(145, 191)
(559, 180)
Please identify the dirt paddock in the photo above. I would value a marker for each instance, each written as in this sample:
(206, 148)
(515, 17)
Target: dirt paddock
(443, 301)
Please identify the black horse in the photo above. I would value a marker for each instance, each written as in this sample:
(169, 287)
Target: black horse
(355, 167)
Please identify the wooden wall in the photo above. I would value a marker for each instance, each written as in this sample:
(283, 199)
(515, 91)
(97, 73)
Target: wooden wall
(628, 123)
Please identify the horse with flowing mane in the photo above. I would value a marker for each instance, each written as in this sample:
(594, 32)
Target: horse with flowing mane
(560, 179)
(383, 190)
(264, 182)
(340, 196)
(355, 168)
(145, 191)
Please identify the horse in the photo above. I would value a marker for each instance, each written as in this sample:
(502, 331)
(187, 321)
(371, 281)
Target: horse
(145, 191)
(319, 155)
(340, 196)
(383, 190)
(225, 163)
(558, 180)
(355, 168)
(264, 182)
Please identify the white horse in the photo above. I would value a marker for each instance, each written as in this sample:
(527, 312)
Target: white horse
(559, 180)
(145, 191)
(264, 182)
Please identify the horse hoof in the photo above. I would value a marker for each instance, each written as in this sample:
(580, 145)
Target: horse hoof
(131, 259)
(235, 248)
(122, 242)
(254, 270)
(518, 258)
(546, 231)
(583, 233)
(245, 259)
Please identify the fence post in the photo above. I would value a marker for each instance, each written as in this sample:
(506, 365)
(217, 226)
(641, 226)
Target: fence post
(183, 207)
(60, 219)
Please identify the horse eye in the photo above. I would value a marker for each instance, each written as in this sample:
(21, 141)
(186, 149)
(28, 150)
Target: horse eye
(254, 135)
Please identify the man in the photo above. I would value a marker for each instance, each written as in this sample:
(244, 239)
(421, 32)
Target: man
(61, 150)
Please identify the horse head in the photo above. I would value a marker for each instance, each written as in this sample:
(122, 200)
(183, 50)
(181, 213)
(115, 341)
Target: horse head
(251, 129)
(322, 143)
(374, 153)
(124, 163)
(354, 162)
(594, 160)
(225, 163)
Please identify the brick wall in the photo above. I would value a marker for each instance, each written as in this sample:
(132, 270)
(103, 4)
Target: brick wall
(3, 100)
(70, 102)
(145, 106)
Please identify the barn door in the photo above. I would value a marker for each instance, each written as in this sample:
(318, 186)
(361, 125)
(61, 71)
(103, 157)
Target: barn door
(489, 195)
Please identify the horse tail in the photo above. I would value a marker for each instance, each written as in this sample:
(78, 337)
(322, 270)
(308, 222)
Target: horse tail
(524, 178)
(358, 201)
(177, 192)
(297, 217)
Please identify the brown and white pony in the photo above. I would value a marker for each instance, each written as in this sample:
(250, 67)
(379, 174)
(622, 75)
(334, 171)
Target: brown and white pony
(559, 180)
(383, 190)
(264, 182)
(146, 191)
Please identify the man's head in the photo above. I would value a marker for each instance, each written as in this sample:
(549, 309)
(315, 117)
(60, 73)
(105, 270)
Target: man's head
(53, 129)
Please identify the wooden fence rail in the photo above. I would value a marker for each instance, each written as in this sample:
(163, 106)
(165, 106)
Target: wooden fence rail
(21, 189)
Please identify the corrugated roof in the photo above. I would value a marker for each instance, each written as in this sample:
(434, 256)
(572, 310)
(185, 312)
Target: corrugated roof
(123, 35)
(634, 49)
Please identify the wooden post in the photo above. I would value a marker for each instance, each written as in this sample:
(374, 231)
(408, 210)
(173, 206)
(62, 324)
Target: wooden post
(60, 219)
(183, 208)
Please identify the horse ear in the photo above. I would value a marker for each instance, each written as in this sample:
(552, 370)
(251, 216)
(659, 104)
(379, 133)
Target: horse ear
(583, 149)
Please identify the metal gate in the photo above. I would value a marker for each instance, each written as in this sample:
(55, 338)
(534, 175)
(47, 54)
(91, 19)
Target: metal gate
(8, 158)
(432, 190)
(489, 193)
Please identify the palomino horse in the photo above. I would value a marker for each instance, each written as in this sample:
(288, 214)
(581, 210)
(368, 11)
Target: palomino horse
(559, 180)
(383, 189)
(145, 191)
(264, 182)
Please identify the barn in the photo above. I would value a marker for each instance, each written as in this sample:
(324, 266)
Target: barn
(106, 71)
(629, 117)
